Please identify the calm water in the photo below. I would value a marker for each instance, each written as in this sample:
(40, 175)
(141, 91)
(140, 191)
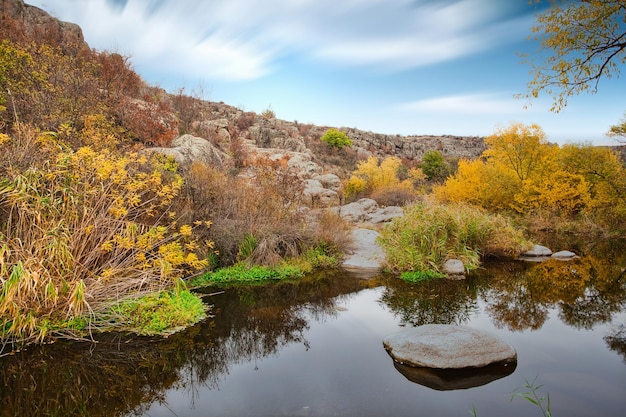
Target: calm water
(315, 349)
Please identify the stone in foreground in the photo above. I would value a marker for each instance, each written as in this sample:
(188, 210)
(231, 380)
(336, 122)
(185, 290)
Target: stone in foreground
(447, 347)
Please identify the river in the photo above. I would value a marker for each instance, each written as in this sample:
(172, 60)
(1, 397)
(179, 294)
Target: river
(314, 348)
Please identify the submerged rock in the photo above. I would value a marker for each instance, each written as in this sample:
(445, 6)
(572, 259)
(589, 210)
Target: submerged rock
(447, 347)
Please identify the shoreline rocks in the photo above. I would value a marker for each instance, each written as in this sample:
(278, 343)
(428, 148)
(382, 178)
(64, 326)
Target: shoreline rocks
(541, 253)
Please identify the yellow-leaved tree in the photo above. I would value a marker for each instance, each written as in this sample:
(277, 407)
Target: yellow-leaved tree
(580, 43)
(521, 171)
(382, 179)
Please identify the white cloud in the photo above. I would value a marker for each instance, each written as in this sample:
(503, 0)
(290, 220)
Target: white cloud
(242, 39)
(466, 104)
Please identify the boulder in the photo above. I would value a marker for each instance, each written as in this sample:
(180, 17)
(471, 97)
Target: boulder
(447, 347)
(367, 210)
(315, 194)
(537, 251)
(358, 211)
(454, 268)
(330, 181)
(188, 148)
(384, 214)
(367, 253)
(564, 255)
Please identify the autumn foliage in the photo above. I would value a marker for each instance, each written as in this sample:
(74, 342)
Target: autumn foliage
(387, 180)
(82, 229)
(522, 172)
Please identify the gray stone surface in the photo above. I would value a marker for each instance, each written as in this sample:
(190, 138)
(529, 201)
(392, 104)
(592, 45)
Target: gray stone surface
(367, 210)
(358, 210)
(564, 255)
(367, 253)
(384, 214)
(188, 148)
(537, 251)
(447, 347)
(454, 268)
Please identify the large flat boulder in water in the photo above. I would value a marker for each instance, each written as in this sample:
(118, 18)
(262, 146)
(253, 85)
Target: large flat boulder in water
(447, 347)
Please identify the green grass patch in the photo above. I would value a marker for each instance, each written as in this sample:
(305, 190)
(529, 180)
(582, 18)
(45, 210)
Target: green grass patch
(241, 273)
(160, 313)
(321, 256)
(418, 276)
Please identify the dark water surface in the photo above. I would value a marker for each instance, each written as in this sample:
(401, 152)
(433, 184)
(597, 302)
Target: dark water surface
(315, 349)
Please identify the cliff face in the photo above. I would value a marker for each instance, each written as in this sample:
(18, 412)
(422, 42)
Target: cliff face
(39, 24)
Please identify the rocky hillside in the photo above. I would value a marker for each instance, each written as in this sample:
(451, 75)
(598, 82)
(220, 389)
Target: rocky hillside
(234, 131)
(222, 124)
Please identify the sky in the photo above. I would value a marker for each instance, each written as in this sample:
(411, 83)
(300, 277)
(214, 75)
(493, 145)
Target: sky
(408, 67)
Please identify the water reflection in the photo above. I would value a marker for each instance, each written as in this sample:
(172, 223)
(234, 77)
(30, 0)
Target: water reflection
(120, 375)
(123, 375)
(453, 379)
(430, 302)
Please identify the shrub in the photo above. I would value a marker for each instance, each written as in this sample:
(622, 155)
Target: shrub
(418, 276)
(430, 233)
(86, 227)
(336, 139)
(157, 314)
(435, 166)
(385, 178)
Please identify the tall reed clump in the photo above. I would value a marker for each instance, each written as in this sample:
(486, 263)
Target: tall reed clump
(429, 233)
(82, 229)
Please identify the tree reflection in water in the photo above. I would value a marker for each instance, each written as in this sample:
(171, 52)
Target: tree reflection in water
(124, 375)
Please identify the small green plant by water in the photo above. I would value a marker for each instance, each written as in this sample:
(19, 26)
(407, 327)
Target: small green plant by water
(529, 392)
(418, 276)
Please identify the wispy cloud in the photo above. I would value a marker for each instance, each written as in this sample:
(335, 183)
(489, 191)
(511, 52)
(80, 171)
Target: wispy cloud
(480, 103)
(242, 39)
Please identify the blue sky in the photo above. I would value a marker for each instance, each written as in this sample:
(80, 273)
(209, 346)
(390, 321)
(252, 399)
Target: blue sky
(423, 67)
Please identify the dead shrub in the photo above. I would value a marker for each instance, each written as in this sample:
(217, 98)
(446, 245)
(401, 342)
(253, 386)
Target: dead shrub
(394, 195)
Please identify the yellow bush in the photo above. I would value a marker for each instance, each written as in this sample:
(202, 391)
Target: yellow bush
(372, 175)
(87, 228)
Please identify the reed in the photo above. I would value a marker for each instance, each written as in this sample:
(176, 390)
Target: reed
(429, 233)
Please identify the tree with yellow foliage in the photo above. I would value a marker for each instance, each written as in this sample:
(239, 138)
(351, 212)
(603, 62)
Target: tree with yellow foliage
(521, 171)
(382, 177)
(580, 43)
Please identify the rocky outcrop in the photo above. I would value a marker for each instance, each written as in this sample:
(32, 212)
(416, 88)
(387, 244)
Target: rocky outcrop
(188, 148)
(38, 23)
(414, 147)
(367, 210)
(447, 347)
